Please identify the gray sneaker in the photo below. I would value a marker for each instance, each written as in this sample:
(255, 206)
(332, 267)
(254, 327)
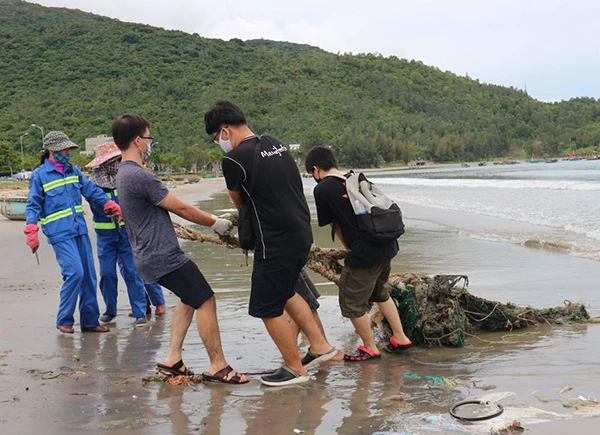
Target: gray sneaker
(140, 322)
(283, 376)
(106, 318)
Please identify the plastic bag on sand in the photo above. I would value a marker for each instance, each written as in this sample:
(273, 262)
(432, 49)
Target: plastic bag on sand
(434, 424)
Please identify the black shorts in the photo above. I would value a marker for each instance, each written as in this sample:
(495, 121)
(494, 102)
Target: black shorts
(188, 284)
(305, 288)
(273, 282)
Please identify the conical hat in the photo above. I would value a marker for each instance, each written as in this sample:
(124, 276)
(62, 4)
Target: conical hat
(104, 153)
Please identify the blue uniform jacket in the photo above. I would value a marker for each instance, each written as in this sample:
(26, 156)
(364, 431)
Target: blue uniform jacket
(101, 221)
(55, 201)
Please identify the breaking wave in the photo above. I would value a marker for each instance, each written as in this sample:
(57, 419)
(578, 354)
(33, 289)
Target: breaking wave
(492, 184)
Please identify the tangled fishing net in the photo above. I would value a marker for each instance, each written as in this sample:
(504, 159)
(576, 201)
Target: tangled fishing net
(435, 311)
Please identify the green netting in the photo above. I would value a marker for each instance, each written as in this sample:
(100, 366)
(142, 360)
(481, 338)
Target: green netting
(406, 303)
(439, 311)
(434, 311)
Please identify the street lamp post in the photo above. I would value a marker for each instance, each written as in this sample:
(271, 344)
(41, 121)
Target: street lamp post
(22, 154)
(41, 129)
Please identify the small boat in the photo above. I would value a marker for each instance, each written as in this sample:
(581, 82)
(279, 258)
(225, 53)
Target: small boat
(550, 160)
(481, 164)
(13, 208)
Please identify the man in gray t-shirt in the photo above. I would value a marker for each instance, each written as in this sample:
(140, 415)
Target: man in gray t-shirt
(145, 204)
(149, 226)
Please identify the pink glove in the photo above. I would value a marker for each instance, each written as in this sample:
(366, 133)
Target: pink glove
(112, 208)
(31, 231)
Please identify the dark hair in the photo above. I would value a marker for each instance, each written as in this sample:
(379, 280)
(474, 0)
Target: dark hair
(223, 112)
(126, 127)
(321, 157)
(45, 155)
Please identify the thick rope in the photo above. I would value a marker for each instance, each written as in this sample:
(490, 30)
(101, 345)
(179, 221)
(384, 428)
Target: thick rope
(434, 310)
(324, 261)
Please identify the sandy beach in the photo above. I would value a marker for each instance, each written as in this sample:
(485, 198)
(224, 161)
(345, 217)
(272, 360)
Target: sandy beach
(59, 383)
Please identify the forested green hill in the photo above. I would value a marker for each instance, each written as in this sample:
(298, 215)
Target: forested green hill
(74, 71)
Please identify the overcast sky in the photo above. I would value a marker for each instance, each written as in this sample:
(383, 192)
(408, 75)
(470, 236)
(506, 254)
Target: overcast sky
(551, 47)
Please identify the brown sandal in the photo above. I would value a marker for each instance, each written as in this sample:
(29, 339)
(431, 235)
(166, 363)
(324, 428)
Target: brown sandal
(175, 369)
(222, 376)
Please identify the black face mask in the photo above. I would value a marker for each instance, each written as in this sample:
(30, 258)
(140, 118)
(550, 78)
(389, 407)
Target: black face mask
(314, 178)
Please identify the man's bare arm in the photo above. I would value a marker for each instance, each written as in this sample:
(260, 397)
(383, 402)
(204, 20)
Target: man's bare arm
(187, 211)
(236, 197)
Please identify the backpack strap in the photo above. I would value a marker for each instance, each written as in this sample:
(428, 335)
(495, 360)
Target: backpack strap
(341, 177)
(344, 178)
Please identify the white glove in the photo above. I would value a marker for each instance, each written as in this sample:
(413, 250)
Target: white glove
(222, 226)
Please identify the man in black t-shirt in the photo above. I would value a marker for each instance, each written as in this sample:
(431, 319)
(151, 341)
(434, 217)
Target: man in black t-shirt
(281, 223)
(367, 267)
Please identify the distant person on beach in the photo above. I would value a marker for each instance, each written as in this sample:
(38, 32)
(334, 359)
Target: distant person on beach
(367, 267)
(55, 191)
(113, 244)
(157, 255)
(281, 224)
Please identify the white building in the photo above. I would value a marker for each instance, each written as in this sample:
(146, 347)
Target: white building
(92, 143)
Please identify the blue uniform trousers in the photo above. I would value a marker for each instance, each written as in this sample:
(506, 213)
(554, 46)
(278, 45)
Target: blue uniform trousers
(113, 248)
(154, 294)
(76, 262)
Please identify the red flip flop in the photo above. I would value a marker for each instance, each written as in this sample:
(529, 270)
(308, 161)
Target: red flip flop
(395, 347)
(362, 354)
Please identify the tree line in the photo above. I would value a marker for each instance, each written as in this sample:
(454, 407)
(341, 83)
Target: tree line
(74, 71)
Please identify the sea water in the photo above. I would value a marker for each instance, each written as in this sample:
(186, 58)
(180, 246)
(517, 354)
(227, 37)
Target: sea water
(524, 233)
(528, 233)
(558, 202)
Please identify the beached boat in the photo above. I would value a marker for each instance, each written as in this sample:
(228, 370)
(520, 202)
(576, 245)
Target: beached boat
(13, 208)
(550, 160)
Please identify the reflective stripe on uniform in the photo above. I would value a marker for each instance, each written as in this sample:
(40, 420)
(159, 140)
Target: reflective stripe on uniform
(60, 214)
(60, 182)
(104, 225)
(107, 225)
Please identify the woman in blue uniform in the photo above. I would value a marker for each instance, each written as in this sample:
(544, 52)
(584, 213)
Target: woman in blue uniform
(55, 191)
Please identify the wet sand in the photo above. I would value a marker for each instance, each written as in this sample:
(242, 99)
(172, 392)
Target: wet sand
(59, 383)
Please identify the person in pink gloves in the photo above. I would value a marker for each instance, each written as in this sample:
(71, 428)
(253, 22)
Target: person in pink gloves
(55, 191)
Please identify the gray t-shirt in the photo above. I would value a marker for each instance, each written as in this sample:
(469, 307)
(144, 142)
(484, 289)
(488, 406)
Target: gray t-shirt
(156, 251)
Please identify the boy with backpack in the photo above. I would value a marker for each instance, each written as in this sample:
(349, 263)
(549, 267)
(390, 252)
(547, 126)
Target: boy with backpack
(367, 266)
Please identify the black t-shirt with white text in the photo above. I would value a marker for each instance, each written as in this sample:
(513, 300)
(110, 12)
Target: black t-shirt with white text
(333, 205)
(281, 223)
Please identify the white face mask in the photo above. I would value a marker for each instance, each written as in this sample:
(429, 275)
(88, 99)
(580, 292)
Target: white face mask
(225, 144)
(146, 154)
